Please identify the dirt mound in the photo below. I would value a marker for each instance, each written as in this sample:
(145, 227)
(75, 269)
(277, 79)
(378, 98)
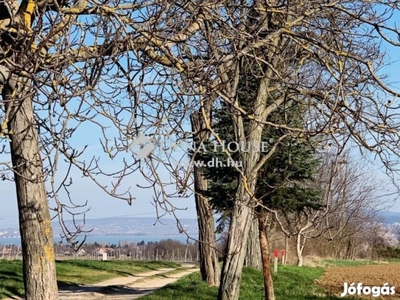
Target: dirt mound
(370, 275)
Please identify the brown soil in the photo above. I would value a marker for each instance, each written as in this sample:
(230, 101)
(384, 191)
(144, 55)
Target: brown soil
(371, 275)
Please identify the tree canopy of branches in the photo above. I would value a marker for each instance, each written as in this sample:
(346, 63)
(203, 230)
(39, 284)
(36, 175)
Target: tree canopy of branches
(282, 181)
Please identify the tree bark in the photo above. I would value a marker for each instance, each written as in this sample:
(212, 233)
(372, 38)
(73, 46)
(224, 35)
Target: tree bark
(299, 250)
(265, 254)
(349, 249)
(209, 267)
(245, 202)
(286, 248)
(253, 253)
(236, 246)
(34, 217)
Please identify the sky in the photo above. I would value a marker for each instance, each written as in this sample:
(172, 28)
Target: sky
(101, 206)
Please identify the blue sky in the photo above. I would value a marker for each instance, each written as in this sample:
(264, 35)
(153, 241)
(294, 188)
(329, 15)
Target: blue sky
(102, 205)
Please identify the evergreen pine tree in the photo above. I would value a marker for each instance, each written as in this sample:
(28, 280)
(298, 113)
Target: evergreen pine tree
(283, 180)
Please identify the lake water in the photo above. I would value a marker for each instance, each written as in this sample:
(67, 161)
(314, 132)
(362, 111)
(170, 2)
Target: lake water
(109, 240)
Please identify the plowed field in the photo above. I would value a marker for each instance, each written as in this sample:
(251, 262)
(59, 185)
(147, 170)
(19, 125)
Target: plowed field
(370, 275)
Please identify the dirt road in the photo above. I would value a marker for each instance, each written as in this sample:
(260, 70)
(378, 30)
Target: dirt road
(124, 288)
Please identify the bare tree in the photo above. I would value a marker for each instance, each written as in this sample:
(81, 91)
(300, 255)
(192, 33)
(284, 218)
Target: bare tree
(335, 76)
(65, 72)
(353, 200)
(350, 200)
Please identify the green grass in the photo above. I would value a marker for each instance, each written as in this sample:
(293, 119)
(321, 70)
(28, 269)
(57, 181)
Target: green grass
(291, 283)
(91, 271)
(187, 288)
(76, 272)
(297, 283)
(348, 263)
(10, 278)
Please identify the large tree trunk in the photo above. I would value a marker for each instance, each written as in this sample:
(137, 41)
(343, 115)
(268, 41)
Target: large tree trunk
(236, 251)
(299, 250)
(253, 253)
(245, 202)
(34, 217)
(209, 267)
(265, 254)
(287, 237)
(242, 216)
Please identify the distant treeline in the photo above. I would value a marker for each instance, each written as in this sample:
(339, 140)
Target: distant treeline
(388, 252)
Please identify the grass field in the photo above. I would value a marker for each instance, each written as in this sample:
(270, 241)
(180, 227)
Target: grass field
(76, 272)
(347, 263)
(291, 282)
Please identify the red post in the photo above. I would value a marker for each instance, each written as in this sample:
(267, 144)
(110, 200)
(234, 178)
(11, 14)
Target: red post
(276, 253)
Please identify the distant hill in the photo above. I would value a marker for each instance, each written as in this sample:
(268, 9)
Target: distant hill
(390, 217)
(128, 226)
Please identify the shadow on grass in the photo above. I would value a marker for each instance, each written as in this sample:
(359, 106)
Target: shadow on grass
(95, 267)
(12, 284)
(189, 287)
(112, 267)
(185, 290)
(105, 290)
